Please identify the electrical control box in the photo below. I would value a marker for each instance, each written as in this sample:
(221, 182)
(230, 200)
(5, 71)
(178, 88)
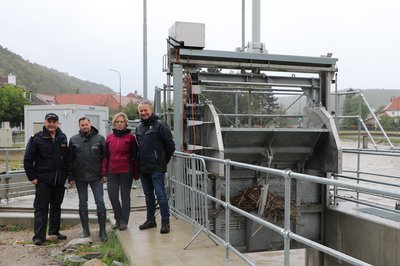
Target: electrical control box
(187, 34)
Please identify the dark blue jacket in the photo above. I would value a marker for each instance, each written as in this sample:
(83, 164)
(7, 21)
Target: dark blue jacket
(156, 145)
(45, 159)
(85, 156)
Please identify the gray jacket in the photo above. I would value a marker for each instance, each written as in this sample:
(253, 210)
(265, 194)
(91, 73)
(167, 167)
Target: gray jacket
(85, 156)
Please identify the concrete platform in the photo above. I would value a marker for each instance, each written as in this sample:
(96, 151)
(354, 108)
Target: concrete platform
(149, 247)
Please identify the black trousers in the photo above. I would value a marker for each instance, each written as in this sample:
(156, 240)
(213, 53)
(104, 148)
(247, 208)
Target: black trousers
(46, 195)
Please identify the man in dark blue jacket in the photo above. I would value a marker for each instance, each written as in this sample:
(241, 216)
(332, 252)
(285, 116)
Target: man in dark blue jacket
(45, 163)
(156, 147)
(86, 151)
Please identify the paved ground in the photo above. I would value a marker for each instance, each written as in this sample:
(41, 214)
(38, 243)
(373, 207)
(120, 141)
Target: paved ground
(149, 247)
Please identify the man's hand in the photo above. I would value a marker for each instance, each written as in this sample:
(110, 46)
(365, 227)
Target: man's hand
(71, 183)
(34, 182)
(103, 179)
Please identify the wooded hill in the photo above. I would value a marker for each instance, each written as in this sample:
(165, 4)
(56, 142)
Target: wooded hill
(37, 78)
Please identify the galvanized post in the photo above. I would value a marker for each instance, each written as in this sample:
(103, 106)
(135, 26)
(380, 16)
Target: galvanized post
(7, 170)
(192, 190)
(178, 106)
(286, 239)
(227, 210)
(6, 158)
(359, 142)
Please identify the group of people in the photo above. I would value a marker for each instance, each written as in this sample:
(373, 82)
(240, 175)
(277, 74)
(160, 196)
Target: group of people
(91, 160)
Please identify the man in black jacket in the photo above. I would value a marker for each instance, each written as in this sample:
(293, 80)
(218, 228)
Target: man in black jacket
(156, 147)
(45, 163)
(86, 154)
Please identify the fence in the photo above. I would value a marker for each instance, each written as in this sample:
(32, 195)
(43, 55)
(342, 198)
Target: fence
(366, 171)
(13, 181)
(190, 198)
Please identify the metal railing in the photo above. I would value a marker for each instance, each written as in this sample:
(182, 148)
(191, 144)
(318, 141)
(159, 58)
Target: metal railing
(13, 181)
(190, 198)
(359, 174)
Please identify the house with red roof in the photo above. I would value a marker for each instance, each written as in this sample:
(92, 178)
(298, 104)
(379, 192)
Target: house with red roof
(88, 99)
(110, 100)
(393, 108)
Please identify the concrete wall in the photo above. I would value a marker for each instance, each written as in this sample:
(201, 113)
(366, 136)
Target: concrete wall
(371, 239)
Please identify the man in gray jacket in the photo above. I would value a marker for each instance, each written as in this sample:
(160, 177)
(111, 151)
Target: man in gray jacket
(86, 154)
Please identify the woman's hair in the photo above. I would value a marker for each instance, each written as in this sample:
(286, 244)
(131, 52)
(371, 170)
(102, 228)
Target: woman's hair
(120, 114)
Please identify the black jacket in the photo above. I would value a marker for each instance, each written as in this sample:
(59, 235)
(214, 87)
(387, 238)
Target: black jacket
(45, 159)
(156, 145)
(85, 156)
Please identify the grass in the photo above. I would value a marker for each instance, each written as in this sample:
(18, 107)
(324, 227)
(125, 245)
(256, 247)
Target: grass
(12, 165)
(11, 227)
(110, 250)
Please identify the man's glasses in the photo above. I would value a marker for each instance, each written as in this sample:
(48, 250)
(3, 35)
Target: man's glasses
(119, 122)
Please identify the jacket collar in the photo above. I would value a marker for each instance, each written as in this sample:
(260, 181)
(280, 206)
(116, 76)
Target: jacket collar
(120, 133)
(149, 121)
(93, 131)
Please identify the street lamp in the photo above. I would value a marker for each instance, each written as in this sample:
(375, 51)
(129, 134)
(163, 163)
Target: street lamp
(119, 75)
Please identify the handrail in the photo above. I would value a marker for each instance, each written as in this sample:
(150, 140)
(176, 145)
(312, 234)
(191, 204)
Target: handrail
(285, 232)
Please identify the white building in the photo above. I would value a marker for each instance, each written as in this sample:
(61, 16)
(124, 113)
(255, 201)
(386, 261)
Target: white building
(68, 115)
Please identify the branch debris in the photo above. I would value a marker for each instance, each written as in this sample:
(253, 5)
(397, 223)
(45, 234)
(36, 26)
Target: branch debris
(274, 210)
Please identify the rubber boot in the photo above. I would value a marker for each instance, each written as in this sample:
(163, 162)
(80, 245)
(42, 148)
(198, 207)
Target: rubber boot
(164, 228)
(102, 218)
(84, 215)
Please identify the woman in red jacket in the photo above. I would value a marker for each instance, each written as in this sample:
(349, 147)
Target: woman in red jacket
(120, 168)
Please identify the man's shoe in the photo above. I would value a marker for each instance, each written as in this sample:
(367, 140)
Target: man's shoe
(123, 227)
(38, 241)
(148, 224)
(61, 236)
(164, 228)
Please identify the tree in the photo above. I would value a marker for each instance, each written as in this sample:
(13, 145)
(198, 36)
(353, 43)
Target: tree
(351, 107)
(12, 101)
(131, 110)
(387, 122)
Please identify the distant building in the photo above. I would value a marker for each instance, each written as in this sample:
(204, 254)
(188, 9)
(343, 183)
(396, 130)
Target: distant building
(110, 100)
(393, 108)
(10, 79)
(3, 80)
(41, 99)
(88, 99)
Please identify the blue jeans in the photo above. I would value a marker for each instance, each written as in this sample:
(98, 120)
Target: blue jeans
(120, 183)
(97, 189)
(154, 182)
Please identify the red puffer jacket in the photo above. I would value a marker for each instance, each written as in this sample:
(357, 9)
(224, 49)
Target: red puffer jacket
(120, 153)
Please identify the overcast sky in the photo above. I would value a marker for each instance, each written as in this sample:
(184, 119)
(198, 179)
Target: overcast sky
(86, 37)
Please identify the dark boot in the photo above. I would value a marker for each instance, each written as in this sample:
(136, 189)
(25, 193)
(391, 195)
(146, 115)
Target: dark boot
(148, 224)
(102, 218)
(84, 215)
(164, 228)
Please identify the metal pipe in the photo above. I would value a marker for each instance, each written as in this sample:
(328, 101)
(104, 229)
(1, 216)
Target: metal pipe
(286, 239)
(256, 8)
(377, 121)
(120, 98)
(145, 49)
(227, 202)
(243, 25)
(203, 81)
